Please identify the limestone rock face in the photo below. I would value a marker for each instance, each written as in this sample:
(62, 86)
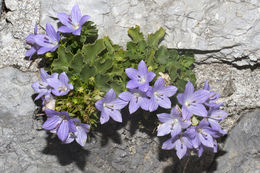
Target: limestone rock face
(219, 30)
(241, 151)
(16, 23)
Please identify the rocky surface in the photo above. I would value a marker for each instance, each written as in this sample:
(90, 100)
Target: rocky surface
(220, 30)
(225, 38)
(241, 152)
(16, 22)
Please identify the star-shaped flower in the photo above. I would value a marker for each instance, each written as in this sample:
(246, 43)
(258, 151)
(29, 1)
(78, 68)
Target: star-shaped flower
(42, 87)
(61, 86)
(172, 123)
(192, 102)
(136, 98)
(140, 78)
(110, 106)
(49, 42)
(72, 22)
(160, 94)
(58, 122)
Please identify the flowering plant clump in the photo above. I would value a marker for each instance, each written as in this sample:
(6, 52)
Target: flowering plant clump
(83, 76)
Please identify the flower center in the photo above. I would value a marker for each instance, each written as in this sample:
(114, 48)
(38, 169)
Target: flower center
(76, 26)
(189, 102)
(141, 79)
(62, 88)
(110, 106)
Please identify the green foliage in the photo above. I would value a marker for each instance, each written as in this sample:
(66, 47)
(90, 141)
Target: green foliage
(96, 65)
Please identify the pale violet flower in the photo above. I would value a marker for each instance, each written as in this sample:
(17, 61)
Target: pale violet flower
(136, 99)
(48, 42)
(171, 123)
(61, 86)
(73, 22)
(192, 102)
(110, 106)
(140, 78)
(160, 94)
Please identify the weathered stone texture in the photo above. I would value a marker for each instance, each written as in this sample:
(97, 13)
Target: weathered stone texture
(241, 152)
(15, 25)
(221, 30)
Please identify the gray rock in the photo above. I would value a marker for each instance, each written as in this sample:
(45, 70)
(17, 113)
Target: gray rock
(241, 152)
(15, 26)
(1, 7)
(11, 4)
(220, 30)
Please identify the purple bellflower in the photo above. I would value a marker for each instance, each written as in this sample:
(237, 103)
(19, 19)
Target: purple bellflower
(181, 143)
(30, 40)
(213, 119)
(172, 123)
(202, 134)
(58, 122)
(192, 102)
(79, 134)
(42, 87)
(72, 22)
(61, 86)
(110, 106)
(49, 42)
(136, 98)
(159, 95)
(139, 78)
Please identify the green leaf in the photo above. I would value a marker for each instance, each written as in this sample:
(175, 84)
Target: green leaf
(87, 72)
(101, 83)
(163, 55)
(91, 51)
(109, 45)
(188, 61)
(103, 66)
(154, 39)
(77, 62)
(135, 34)
(61, 64)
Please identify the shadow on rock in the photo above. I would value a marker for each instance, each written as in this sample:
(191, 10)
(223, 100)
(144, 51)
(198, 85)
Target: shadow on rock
(66, 153)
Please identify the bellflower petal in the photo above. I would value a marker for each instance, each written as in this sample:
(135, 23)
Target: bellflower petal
(126, 96)
(63, 130)
(142, 68)
(181, 149)
(64, 19)
(168, 145)
(99, 104)
(84, 19)
(81, 136)
(52, 122)
(51, 32)
(77, 31)
(104, 117)
(65, 29)
(163, 117)
(75, 13)
(198, 109)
